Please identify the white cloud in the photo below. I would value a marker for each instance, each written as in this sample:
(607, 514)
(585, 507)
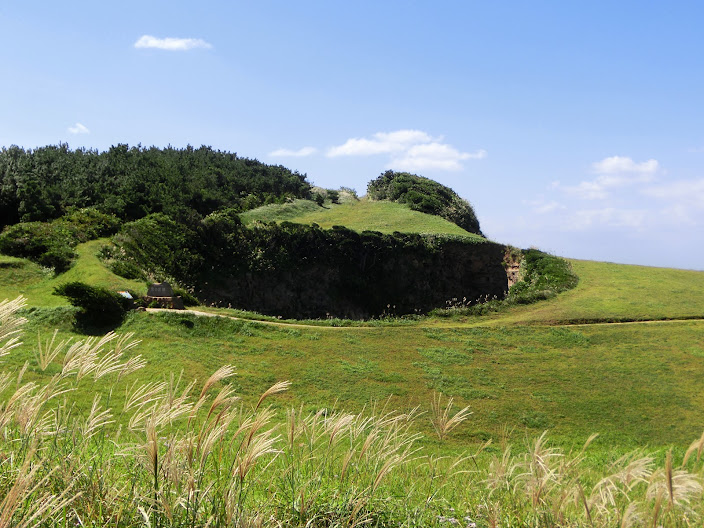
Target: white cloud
(433, 156)
(381, 143)
(622, 164)
(170, 43)
(607, 217)
(409, 150)
(613, 172)
(302, 152)
(542, 207)
(78, 128)
(689, 192)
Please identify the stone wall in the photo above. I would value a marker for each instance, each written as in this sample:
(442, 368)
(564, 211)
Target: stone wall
(409, 280)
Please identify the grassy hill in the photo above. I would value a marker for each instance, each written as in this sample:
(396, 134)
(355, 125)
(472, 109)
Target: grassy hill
(358, 215)
(527, 368)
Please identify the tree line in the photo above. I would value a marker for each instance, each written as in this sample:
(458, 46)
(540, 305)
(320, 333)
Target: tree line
(132, 182)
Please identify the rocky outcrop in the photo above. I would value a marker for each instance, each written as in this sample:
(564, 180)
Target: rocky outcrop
(405, 281)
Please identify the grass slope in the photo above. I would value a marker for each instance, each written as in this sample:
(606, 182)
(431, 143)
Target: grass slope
(616, 292)
(279, 212)
(22, 277)
(359, 215)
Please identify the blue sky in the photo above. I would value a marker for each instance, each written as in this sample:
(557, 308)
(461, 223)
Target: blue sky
(576, 127)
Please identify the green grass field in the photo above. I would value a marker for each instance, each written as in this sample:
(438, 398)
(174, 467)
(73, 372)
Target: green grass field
(552, 366)
(528, 368)
(358, 215)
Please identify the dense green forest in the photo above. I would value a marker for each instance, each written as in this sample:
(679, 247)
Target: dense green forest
(132, 182)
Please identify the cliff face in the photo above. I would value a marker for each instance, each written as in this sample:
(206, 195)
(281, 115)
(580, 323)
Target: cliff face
(302, 271)
(370, 282)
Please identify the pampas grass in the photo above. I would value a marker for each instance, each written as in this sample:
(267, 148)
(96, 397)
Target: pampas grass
(175, 453)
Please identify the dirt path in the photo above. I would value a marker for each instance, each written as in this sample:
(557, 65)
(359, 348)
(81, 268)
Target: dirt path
(259, 321)
(439, 327)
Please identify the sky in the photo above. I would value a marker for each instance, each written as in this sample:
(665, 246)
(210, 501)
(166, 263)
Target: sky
(574, 127)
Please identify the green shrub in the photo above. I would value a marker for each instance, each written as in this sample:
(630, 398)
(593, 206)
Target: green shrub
(91, 223)
(544, 276)
(51, 244)
(166, 248)
(100, 308)
(187, 298)
(59, 256)
(127, 270)
(48, 244)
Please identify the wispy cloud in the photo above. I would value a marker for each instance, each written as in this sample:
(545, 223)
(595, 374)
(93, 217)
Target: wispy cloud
(79, 128)
(170, 43)
(606, 217)
(613, 172)
(381, 143)
(300, 153)
(434, 156)
(542, 207)
(409, 150)
(682, 190)
(622, 164)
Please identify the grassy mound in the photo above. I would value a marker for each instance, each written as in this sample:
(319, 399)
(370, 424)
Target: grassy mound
(425, 195)
(360, 215)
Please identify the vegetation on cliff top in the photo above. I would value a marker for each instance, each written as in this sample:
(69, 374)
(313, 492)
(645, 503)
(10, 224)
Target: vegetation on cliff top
(315, 271)
(359, 215)
(425, 195)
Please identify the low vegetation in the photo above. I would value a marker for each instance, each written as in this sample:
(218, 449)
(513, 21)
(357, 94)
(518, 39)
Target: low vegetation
(543, 276)
(51, 244)
(99, 308)
(172, 452)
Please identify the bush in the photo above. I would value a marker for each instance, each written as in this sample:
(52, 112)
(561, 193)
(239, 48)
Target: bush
(126, 270)
(59, 257)
(91, 223)
(100, 308)
(187, 298)
(47, 244)
(544, 276)
(51, 244)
